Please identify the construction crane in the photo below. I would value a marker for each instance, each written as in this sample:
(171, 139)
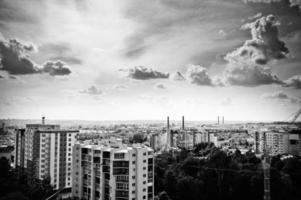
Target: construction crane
(296, 115)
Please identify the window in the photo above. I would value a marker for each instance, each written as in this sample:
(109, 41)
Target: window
(133, 184)
(144, 175)
(133, 177)
(144, 153)
(144, 161)
(134, 162)
(119, 155)
(134, 155)
(144, 182)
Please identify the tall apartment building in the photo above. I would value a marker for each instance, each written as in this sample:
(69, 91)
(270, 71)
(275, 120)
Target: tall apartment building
(107, 173)
(45, 151)
(278, 142)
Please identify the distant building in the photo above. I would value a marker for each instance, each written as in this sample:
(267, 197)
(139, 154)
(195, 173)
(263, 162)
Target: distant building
(103, 172)
(278, 143)
(200, 137)
(45, 151)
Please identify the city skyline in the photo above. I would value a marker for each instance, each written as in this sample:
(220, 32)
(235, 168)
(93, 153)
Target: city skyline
(131, 60)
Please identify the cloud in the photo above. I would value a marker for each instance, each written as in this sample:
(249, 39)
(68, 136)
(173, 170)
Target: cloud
(255, 16)
(264, 46)
(177, 76)
(246, 64)
(294, 82)
(160, 86)
(143, 73)
(56, 68)
(250, 76)
(1, 77)
(92, 91)
(15, 59)
(280, 96)
(296, 3)
(198, 75)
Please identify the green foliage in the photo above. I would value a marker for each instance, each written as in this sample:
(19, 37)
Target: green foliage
(14, 184)
(210, 173)
(138, 138)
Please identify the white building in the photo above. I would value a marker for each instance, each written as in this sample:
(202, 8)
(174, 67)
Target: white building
(45, 151)
(104, 172)
(278, 142)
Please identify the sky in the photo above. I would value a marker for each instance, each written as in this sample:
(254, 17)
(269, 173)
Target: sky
(139, 60)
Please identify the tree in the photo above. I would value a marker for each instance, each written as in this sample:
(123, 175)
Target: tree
(138, 138)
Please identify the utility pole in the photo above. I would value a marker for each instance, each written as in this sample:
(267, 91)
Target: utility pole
(266, 169)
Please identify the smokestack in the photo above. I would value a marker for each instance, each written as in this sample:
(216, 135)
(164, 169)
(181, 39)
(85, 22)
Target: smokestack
(43, 120)
(183, 126)
(223, 120)
(167, 135)
(217, 119)
(167, 123)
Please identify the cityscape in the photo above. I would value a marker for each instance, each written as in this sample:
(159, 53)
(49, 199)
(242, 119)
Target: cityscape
(150, 100)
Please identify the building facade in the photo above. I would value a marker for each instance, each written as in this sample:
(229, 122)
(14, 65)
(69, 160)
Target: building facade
(277, 142)
(107, 173)
(45, 151)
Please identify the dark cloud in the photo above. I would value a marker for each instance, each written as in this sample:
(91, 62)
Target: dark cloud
(15, 59)
(250, 76)
(264, 46)
(245, 64)
(198, 75)
(143, 73)
(92, 91)
(281, 96)
(294, 82)
(289, 13)
(1, 77)
(56, 68)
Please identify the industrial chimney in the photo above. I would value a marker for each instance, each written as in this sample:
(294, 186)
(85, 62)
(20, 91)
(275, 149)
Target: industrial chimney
(167, 128)
(217, 119)
(43, 120)
(223, 120)
(183, 123)
(167, 135)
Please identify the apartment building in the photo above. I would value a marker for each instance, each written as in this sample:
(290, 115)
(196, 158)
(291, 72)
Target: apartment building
(119, 172)
(45, 151)
(277, 142)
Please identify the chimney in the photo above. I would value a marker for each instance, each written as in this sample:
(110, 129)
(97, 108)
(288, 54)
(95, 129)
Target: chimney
(223, 120)
(167, 135)
(43, 120)
(183, 126)
(167, 123)
(217, 119)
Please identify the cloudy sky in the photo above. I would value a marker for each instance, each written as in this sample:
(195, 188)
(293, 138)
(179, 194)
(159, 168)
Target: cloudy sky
(134, 59)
